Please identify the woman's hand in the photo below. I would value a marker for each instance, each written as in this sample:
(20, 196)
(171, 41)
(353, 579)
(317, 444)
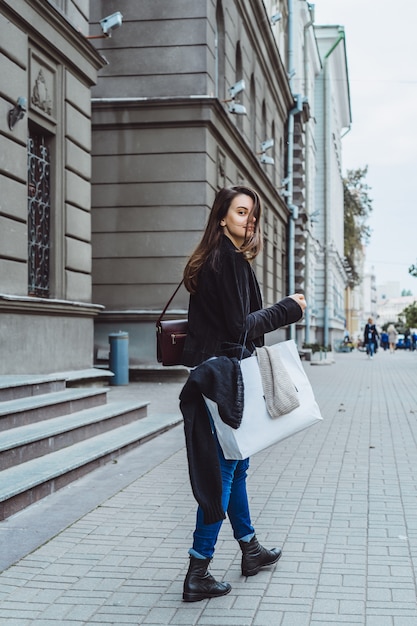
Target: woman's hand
(299, 298)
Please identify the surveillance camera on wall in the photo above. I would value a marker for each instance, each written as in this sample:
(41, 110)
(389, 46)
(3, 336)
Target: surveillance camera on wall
(276, 18)
(111, 22)
(237, 109)
(267, 160)
(237, 88)
(265, 145)
(17, 112)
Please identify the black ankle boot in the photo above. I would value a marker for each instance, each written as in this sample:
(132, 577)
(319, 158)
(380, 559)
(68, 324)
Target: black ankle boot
(199, 584)
(254, 556)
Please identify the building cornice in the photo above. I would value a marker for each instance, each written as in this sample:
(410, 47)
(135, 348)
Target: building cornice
(41, 306)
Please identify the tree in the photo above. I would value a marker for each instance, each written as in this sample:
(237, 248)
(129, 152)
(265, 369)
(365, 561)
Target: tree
(357, 208)
(409, 316)
(413, 270)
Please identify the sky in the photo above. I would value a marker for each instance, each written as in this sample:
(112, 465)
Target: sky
(381, 43)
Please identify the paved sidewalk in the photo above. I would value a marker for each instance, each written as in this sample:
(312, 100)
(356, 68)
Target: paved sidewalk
(341, 498)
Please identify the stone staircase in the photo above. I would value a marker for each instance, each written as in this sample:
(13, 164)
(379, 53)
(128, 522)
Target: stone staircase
(52, 433)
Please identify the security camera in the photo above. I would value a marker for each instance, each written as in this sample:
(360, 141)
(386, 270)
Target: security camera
(111, 22)
(237, 88)
(17, 112)
(237, 109)
(265, 145)
(267, 160)
(276, 18)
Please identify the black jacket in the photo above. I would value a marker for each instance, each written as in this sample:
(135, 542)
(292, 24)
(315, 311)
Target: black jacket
(221, 381)
(227, 303)
(370, 333)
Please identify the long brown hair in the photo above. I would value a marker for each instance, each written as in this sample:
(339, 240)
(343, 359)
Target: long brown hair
(210, 242)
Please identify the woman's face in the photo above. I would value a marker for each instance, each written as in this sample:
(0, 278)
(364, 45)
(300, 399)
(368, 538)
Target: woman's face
(239, 224)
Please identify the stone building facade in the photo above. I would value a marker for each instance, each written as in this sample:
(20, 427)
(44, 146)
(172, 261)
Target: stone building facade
(109, 168)
(48, 68)
(165, 140)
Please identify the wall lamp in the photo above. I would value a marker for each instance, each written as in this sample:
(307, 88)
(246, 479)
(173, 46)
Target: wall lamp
(235, 107)
(266, 145)
(17, 113)
(109, 23)
(276, 18)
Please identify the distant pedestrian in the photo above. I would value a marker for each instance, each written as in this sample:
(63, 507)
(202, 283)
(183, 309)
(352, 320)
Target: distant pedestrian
(384, 341)
(392, 338)
(370, 336)
(225, 311)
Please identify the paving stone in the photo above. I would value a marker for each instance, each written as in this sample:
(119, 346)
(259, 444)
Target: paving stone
(339, 498)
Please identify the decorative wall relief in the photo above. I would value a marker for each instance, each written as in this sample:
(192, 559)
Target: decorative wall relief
(40, 95)
(42, 91)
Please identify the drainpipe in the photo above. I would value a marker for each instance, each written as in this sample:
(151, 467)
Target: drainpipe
(289, 180)
(293, 209)
(307, 315)
(327, 195)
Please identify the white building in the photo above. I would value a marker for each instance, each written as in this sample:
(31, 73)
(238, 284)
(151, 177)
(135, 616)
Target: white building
(318, 77)
(333, 116)
(389, 309)
(388, 290)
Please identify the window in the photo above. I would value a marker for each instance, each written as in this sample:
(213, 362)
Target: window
(220, 52)
(39, 215)
(239, 76)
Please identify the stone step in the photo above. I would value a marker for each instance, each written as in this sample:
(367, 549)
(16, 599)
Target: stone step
(21, 411)
(20, 386)
(14, 387)
(24, 484)
(24, 443)
(93, 377)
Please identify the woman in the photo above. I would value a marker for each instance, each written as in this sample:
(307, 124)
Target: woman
(392, 338)
(370, 335)
(225, 309)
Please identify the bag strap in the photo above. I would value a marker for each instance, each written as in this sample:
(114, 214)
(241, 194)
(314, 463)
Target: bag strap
(169, 302)
(243, 345)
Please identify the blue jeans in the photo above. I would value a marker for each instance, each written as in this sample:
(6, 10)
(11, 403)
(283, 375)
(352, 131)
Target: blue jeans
(234, 502)
(371, 348)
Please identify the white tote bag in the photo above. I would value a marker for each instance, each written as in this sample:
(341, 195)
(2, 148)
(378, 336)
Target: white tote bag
(258, 429)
